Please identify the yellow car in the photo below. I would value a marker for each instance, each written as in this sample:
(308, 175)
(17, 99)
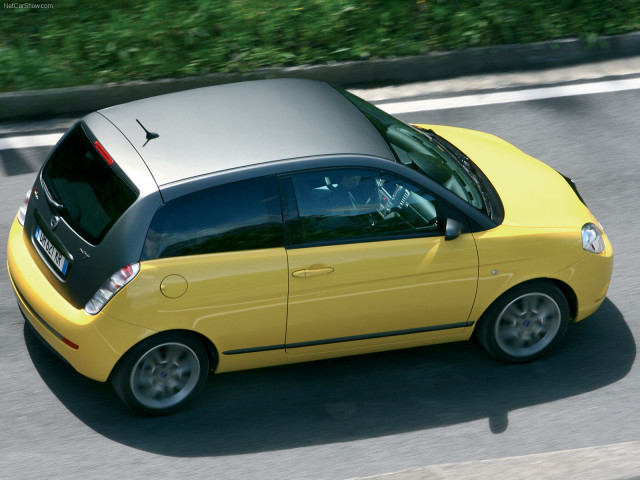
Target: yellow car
(278, 221)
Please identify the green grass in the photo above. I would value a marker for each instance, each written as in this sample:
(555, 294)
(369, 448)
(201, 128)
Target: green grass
(86, 42)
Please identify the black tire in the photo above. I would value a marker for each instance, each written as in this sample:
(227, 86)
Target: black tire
(524, 323)
(161, 373)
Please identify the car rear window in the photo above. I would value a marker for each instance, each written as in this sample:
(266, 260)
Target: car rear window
(91, 193)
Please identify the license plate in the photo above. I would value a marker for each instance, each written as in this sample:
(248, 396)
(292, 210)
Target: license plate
(59, 260)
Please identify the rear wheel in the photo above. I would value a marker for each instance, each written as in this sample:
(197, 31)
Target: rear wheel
(161, 373)
(524, 323)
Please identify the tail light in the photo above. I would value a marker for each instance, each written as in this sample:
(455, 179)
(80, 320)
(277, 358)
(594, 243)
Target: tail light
(111, 287)
(22, 211)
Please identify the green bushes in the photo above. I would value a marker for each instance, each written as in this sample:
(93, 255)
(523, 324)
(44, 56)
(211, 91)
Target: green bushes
(86, 42)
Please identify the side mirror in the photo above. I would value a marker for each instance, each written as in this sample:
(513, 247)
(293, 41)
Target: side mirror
(453, 229)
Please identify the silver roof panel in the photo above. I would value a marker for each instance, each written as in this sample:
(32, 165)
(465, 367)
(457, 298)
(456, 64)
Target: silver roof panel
(224, 127)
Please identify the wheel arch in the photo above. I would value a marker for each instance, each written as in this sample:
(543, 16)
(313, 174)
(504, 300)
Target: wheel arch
(566, 290)
(209, 346)
(569, 294)
(486, 329)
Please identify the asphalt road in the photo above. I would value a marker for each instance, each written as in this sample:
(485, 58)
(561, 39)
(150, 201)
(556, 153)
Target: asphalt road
(372, 414)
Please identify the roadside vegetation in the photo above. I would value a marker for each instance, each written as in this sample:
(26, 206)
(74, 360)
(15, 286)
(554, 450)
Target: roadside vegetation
(86, 42)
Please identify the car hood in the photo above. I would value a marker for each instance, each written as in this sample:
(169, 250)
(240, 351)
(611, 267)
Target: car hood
(533, 194)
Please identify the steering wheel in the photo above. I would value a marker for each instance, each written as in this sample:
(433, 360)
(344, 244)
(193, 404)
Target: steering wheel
(330, 186)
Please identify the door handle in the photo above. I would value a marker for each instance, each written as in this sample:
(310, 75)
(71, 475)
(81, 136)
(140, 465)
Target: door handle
(312, 271)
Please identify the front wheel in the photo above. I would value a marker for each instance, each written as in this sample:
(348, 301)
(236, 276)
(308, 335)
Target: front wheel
(524, 323)
(161, 373)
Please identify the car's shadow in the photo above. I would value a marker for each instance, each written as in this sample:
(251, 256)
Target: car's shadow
(354, 397)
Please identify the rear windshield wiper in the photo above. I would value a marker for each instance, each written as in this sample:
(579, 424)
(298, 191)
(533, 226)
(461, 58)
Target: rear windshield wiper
(52, 201)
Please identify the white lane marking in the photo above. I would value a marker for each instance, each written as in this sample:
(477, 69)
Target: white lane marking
(27, 141)
(610, 86)
(614, 461)
(509, 97)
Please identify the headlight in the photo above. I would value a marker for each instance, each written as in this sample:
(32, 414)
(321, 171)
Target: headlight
(592, 240)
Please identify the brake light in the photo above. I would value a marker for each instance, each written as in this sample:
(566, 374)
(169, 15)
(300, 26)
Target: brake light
(111, 287)
(103, 152)
(22, 211)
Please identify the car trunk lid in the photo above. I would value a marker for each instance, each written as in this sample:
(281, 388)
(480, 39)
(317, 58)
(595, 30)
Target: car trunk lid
(80, 207)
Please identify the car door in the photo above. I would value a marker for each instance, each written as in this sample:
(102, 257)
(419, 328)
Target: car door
(369, 264)
(214, 262)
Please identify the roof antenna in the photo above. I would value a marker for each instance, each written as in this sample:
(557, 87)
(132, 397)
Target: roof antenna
(150, 135)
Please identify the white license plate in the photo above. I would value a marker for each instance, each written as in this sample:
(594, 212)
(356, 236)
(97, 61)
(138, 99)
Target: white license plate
(59, 260)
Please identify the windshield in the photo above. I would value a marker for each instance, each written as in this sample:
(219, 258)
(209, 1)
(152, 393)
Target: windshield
(89, 195)
(423, 151)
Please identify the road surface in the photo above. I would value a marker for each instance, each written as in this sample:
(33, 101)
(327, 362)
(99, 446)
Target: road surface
(409, 411)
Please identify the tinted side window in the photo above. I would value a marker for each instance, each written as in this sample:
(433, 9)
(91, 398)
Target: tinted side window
(358, 204)
(243, 215)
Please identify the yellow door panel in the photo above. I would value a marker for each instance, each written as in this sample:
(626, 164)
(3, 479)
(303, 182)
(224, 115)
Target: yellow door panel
(236, 299)
(379, 290)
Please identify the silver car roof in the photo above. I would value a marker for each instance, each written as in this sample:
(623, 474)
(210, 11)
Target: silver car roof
(224, 127)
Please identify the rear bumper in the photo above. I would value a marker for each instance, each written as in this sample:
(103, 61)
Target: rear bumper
(101, 340)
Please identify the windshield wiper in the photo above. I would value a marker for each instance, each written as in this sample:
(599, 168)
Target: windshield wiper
(465, 163)
(449, 148)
